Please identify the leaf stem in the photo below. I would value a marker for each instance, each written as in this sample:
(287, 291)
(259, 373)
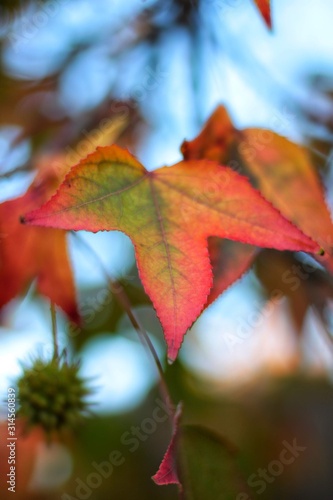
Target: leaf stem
(121, 296)
(22, 168)
(124, 301)
(54, 331)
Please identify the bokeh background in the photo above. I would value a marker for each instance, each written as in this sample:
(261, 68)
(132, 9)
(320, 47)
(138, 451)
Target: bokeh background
(147, 74)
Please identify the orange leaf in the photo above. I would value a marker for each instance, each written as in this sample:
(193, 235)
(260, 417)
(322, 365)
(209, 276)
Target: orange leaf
(264, 7)
(215, 139)
(28, 253)
(281, 169)
(286, 177)
(168, 214)
(230, 259)
(201, 463)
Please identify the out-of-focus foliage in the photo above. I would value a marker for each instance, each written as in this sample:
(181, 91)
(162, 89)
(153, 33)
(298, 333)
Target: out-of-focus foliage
(74, 75)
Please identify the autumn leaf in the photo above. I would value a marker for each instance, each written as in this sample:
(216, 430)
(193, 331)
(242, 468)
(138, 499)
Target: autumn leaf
(279, 168)
(215, 139)
(168, 214)
(264, 7)
(25, 457)
(28, 253)
(230, 260)
(167, 472)
(201, 464)
(305, 286)
(286, 177)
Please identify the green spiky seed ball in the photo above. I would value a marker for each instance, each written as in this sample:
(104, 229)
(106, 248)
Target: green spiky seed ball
(52, 395)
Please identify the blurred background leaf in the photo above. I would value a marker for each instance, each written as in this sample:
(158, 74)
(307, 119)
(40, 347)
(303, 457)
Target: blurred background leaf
(146, 75)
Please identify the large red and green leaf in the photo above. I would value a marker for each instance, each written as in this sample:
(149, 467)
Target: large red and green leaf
(28, 253)
(168, 214)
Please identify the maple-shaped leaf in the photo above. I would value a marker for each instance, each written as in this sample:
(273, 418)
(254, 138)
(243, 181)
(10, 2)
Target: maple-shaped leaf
(168, 214)
(28, 253)
(264, 7)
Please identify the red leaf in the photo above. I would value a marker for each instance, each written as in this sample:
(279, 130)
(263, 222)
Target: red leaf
(264, 7)
(169, 214)
(28, 253)
(167, 472)
(281, 169)
(230, 260)
(286, 177)
(215, 139)
(201, 464)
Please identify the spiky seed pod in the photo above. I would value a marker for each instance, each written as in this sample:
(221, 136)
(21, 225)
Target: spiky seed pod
(51, 394)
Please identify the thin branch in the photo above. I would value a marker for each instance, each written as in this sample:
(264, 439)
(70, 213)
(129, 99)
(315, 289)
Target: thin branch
(124, 301)
(54, 331)
(22, 168)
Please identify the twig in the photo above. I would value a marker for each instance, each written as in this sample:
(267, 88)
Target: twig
(54, 332)
(22, 168)
(123, 299)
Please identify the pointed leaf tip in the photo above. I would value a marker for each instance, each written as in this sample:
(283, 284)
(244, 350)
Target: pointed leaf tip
(167, 472)
(265, 10)
(201, 463)
(280, 169)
